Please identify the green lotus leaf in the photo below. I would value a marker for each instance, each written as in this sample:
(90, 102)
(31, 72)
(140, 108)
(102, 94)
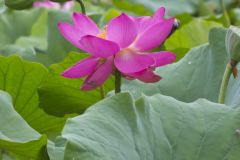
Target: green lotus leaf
(21, 80)
(157, 127)
(16, 136)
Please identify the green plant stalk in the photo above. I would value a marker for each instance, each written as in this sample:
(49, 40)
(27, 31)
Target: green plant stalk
(102, 93)
(82, 6)
(1, 154)
(224, 85)
(118, 82)
(226, 16)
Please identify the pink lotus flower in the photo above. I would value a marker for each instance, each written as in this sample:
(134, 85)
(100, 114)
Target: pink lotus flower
(53, 5)
(123, 45)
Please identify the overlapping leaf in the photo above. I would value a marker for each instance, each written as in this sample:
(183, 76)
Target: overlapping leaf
(150, 128)
(16, 136)
(21, 80)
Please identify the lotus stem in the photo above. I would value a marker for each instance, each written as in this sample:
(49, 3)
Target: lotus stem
(225, 13)
(82, 6)
(224, 85)
(230, 69)
(102, 93)
(118, 82)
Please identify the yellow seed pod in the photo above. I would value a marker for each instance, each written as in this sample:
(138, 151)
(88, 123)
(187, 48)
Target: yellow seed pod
(232, 42)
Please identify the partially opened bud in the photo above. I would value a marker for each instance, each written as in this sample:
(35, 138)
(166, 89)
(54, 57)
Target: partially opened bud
(232, 42)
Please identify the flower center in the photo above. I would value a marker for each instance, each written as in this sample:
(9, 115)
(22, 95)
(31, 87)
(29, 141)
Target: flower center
(103, 34)
(125, 51)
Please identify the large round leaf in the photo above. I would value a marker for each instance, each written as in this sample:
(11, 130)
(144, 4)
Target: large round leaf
(151, 128)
